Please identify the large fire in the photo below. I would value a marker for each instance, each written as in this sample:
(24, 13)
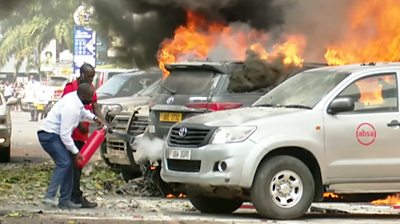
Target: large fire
(391, 200)
(374, 34)
(200, 39)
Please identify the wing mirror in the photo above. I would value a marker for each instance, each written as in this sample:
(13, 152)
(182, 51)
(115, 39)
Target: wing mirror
(342, 104)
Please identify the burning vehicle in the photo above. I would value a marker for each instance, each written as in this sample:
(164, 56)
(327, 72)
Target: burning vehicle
(330, 129)
(194, 88)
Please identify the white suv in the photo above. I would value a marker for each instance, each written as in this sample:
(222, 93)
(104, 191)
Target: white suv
(327, 129)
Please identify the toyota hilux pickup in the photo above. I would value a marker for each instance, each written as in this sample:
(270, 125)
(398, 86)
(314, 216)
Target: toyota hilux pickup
(329, 129)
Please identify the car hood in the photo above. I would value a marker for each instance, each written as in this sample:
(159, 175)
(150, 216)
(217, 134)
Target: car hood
(245, 115)
(130, 101)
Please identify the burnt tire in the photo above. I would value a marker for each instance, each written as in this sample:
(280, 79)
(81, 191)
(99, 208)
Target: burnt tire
(214, 205)
(5, 154)
(283, 188)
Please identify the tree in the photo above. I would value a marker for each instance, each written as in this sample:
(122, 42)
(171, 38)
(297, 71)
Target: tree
(31, 27)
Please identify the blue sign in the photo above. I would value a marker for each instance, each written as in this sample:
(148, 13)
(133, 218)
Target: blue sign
(84, 47)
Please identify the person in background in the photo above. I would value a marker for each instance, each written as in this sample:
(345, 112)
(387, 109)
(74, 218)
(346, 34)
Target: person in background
(19, 94)
(80, 134)
(30, 93)
(8, 91)
(55, 138)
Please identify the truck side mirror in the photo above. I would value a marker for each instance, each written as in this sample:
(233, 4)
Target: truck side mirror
(342, 104)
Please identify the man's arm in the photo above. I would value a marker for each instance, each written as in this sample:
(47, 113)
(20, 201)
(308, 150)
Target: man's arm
(98, 113)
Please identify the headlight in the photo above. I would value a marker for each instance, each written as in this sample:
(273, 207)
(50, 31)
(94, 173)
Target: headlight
(112, 108)
(231, 134)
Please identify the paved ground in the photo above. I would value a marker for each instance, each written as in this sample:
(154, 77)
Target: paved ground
(128, 209)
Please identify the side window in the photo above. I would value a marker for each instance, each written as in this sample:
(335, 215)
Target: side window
(376, 93)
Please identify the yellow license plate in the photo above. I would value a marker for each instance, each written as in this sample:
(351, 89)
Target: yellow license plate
(40, 107)
(170, 117)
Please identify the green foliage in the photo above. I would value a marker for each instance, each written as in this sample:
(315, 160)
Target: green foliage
(31, 26)
(30, 181)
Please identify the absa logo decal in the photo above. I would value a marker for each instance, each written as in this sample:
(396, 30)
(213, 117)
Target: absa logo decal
(366, 134)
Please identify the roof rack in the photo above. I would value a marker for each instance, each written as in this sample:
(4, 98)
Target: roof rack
(368, 64)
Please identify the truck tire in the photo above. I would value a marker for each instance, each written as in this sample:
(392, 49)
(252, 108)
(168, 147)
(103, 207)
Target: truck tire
(5, 154)
(214, 205)
(283, 188)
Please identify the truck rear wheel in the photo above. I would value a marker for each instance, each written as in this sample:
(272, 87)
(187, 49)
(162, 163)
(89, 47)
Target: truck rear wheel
(283, 188)
(214, 205)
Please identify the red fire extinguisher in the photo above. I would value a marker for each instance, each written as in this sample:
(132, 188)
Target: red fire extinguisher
(91, 145)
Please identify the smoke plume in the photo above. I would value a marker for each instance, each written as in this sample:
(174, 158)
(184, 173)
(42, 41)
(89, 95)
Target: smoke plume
(144, 24)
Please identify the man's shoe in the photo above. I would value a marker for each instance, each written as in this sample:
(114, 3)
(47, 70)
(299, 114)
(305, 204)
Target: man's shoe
(51, 202)
(87, 204)
(69, 205)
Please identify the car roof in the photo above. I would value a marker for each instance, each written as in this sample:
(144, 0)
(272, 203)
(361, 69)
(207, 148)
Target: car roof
(352, 68)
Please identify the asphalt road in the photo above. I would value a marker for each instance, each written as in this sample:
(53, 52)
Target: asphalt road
(128, 209)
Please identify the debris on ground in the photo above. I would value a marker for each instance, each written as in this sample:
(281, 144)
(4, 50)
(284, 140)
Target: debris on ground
(29, 181)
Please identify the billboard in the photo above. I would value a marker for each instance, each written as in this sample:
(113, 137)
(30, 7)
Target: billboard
(84, 39)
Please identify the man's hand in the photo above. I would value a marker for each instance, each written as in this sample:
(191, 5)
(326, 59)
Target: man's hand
(82, 128)
(78, 159)
(100, 122)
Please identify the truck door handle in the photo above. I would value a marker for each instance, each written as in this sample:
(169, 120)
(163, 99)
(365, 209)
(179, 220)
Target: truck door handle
(393, 123)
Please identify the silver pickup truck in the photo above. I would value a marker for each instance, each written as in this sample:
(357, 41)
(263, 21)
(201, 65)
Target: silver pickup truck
(330, 129)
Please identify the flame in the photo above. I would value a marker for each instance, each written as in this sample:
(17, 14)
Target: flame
(371, 91)
(200, 39)
(180, 195)
(390, 200)
(331, 195)
(374, 34)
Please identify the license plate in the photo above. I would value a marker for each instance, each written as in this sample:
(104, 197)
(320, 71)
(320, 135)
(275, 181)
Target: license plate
(183, 154)
(40, 107)
(170, 117)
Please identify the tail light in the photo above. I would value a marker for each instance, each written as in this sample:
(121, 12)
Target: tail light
(214, 106)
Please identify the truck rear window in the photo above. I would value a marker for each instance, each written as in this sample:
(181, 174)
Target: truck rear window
(186, 82)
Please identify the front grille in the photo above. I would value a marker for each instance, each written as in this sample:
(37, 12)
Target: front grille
(194, 137)
(184, 165)
(138, 125)
(120, 122)
(116, 145)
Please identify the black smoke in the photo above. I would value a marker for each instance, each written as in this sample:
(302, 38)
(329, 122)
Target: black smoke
(156, 20)
(257, 74)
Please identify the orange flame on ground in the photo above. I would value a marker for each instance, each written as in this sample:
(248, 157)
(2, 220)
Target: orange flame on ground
(199, 38)
(331, 195)
(180, 195)
(390, 200)
(374, 34)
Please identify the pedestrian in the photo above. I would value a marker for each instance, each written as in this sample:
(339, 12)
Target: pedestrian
(80, 134)
(31, 87)
(55, 138)
(8, 91)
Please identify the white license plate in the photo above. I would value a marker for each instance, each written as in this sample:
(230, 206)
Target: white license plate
(183, 154)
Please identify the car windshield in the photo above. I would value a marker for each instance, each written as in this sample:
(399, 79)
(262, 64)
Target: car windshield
(188, 82)
(304, 90)
(113, 85)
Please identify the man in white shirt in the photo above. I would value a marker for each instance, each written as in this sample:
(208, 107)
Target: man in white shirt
(55, 138)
